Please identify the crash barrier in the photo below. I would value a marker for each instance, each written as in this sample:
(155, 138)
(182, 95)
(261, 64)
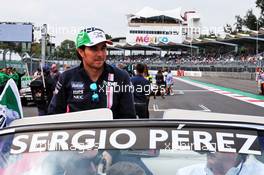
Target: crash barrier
(18, 65)
(154, 72)
(193, 73)
(235, 75)
(191, 66)
(34, 63)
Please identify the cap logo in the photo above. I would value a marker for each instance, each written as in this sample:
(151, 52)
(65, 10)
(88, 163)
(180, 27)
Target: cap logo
(90, 37)
(82, 39)
(98, 34)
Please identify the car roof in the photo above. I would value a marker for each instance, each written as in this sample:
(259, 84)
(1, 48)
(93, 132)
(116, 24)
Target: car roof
(191, 115)
(169, 115)
(83, 116)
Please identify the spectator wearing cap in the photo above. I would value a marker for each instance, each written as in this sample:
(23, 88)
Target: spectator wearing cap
(94, 83)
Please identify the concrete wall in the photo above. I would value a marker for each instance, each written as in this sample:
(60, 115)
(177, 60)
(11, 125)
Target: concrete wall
(193, 73)
(235, 75)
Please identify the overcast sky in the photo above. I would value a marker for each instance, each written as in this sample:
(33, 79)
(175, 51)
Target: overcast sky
(63, 16)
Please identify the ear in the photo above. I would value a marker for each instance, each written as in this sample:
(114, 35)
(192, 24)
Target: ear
(81, 52)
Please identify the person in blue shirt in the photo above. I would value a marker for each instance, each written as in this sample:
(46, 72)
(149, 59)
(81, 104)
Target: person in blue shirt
(169, 83)
(141, 92)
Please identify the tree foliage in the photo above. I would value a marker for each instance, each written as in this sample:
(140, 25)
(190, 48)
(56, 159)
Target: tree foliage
(3, 45)
(250, 20)
(108, 36)
(260, 4)
(36, 49)
(17, 47)
(67, 50)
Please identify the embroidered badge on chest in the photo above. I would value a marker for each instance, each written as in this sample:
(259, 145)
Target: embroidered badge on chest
(77, 90)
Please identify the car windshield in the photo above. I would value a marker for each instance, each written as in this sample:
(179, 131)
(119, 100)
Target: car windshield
(79, 153)
(157, 162)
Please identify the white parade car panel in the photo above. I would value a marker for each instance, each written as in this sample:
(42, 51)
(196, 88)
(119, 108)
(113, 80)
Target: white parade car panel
(183, 142)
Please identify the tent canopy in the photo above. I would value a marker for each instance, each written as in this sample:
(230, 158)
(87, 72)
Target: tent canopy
(148, 12)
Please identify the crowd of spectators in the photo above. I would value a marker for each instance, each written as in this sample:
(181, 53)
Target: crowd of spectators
(228, 59)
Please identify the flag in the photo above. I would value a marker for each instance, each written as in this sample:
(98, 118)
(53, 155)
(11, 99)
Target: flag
(10, 104)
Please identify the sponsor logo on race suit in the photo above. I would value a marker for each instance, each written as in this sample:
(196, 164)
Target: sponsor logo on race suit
(77, 90)
(77, 85)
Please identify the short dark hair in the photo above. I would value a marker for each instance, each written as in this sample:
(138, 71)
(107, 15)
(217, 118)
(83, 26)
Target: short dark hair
(125, 168)
(140, 68)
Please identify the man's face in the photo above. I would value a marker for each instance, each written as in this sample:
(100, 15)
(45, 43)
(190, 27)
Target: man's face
(54, 68)
(94, 56)
(8, 70)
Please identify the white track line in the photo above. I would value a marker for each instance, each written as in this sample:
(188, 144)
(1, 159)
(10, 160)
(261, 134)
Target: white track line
(191, 90)
(204, 108)
(226, 93)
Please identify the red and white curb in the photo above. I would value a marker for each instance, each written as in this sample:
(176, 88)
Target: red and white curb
(250, 100)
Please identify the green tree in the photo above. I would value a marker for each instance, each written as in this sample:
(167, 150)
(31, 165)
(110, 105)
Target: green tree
(108, 36)
(3, 45)
(35, 49)
(261, 21)
(17, 47)
(250, 20)
(67, 49)
(260, 4)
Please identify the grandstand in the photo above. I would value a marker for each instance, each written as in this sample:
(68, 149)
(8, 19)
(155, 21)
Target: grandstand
(173, 38)
(151, 26)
